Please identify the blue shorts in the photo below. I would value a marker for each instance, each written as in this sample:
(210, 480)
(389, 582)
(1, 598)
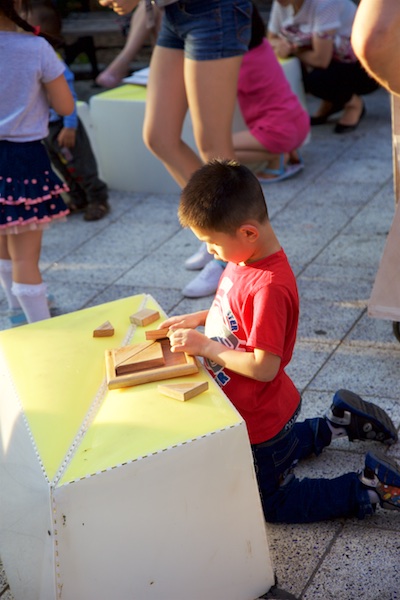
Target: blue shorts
(207, 29)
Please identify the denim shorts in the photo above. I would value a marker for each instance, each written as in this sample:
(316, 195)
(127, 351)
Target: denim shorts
(207, 29)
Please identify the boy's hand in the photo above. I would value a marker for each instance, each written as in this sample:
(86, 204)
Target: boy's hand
(67, 137)
(190, 341)
(188, 321)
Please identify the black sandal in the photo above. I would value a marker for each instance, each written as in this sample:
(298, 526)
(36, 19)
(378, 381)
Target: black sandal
(96, 211)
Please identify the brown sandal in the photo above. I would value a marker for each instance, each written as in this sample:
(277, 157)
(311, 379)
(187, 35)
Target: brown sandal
(76, 206)
(96, 211)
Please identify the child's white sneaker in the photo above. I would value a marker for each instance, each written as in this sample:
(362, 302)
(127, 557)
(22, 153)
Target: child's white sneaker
(206, 282)
(199, 259)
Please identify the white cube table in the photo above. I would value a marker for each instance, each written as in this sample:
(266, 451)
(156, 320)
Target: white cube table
(123, 493)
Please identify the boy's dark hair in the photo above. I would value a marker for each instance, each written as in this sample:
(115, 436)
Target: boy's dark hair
(221, 196)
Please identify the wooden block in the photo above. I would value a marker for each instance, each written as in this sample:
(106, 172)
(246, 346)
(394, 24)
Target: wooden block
(157, 334)
(183, 391)
(144, 317)
(177, 364)
(138, 357)
(104, 330)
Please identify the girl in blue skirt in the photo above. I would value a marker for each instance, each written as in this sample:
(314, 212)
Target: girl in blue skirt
(32, 80)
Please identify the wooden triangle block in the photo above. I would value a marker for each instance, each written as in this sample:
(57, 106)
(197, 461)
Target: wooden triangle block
(138, 357)
(104, 330)
(183, 391)
(144, 317)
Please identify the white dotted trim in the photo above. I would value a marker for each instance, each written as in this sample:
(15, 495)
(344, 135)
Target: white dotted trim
(155, 453)
(94, 406)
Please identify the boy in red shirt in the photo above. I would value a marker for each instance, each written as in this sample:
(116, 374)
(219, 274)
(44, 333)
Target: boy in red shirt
(250, 332)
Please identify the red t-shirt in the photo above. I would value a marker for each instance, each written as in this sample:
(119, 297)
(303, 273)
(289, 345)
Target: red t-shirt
(257, 306)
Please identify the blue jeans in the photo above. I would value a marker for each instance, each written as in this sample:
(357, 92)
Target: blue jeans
(207, 29)
(287, 499)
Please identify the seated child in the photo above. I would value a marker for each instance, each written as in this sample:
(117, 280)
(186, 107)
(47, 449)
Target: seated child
(67, 144)
(250, 332)
(277, 124)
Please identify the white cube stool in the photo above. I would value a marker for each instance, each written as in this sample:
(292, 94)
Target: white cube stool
(121, 493)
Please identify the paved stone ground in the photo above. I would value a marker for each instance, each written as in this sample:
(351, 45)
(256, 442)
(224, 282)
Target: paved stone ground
(332, 220)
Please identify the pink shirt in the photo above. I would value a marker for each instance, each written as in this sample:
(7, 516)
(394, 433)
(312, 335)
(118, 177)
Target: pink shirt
(271, 110)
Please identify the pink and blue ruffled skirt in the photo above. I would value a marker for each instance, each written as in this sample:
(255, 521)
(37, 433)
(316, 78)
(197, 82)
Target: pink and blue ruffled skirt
(30, 191)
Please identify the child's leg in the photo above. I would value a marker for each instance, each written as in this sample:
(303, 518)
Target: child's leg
(24, 249)
(249, 150)
(287, 499)
(83, 168)
(77, 198)
(6, 274)
(257, 157)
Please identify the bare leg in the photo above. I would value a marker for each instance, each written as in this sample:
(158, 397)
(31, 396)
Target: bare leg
(211, 91)
(209, 88)
(352, 111)
(4, 254)
(138, 34)
(24, 249)
(166, 107)
(249, 150)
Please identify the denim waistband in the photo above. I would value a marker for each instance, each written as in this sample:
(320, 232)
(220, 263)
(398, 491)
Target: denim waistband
(284, 431)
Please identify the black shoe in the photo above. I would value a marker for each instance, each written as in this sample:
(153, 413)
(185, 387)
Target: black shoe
(339, 128)
(362, 420)
(322, 119)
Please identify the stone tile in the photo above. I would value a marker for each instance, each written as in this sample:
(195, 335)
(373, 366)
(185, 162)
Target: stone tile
(296, 551)
(377, 333)
(359, 565)
(371, 371)
(308, 359)
(327, 321)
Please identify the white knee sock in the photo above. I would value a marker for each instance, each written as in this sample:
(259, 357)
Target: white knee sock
(33, 300)
(6, 283)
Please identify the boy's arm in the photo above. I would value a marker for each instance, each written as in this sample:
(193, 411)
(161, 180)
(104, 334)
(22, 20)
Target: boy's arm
(71, 121)
(260, 364)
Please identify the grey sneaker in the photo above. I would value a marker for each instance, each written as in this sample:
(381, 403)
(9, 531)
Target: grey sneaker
(206, 282)
(382, 475)
(362, 420)
(199, 259)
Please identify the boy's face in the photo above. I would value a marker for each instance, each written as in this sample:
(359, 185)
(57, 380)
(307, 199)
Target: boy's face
(224, 246)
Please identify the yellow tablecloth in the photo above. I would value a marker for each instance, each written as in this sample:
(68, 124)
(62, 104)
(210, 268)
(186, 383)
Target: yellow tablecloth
(79, 427)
